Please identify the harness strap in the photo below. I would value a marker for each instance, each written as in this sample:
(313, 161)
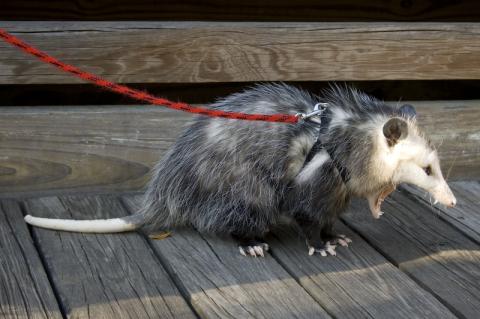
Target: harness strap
(318, 146)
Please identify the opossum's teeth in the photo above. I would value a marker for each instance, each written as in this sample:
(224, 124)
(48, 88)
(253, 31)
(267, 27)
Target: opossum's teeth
(375, 201)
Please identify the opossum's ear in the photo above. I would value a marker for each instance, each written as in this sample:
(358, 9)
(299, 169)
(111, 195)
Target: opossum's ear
(394, 130)
(408, 111)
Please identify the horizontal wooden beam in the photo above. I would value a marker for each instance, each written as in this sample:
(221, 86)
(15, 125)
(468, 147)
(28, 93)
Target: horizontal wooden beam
(247, 10)
(112, 148)
(186, 52)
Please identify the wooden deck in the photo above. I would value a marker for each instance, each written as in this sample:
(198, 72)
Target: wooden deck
(417, 261)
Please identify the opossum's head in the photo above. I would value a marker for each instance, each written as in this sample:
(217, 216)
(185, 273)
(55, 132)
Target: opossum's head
(406, 156)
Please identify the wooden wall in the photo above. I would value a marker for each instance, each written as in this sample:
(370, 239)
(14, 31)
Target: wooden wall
(202, 52)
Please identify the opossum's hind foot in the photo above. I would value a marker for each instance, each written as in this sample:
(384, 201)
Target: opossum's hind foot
(254, 247)
(328, 247)
(341, 240)
(324, 249)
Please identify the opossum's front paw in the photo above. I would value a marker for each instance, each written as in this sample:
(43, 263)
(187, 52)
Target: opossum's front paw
(322, 248)
(341, 240)
(254, 249)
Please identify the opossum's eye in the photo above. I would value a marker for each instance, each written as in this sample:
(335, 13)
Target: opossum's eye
(428, 170)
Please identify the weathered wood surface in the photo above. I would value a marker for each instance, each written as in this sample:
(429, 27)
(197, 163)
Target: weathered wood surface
(223, 284)
(466, 214)
(25, 291)
(247, 10)
(435, 254)
(112, 148)
(104, 276)
(176, 52)
(358, 282)
(83, 149)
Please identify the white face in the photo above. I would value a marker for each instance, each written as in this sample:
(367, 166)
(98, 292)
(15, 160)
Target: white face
(419, 165)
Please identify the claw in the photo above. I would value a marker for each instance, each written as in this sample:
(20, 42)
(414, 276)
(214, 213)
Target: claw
(242, 251)
(254, 250)
(311, 251)
(258, 250)
(343, 242)
(330, 249)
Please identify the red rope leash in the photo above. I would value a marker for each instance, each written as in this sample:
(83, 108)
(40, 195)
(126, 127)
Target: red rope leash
(139, 95)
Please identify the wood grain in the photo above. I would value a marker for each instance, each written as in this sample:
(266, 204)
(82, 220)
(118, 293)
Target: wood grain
(87, 149)
(104, 276)
(223, 284)
(48, 150)
(436, 255)
(465, 216)
(358, 282)
(176, 52)
(247, 10)
(25, 291)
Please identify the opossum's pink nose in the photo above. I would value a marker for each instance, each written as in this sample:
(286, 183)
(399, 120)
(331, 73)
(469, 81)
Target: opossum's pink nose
(453, 203)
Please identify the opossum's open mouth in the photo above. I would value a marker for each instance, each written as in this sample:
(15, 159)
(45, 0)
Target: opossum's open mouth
(375, 201)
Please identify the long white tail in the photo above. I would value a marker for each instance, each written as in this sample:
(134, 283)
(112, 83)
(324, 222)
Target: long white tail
(113, 225)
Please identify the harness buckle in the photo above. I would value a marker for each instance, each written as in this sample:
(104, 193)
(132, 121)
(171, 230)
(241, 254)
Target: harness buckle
(317, 110)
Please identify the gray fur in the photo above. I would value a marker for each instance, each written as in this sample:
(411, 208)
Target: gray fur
(230, 176)
(224, 176)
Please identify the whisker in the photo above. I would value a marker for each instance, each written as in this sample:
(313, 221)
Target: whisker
(451, 166)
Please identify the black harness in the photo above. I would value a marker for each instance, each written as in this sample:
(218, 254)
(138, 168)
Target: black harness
(325, 118)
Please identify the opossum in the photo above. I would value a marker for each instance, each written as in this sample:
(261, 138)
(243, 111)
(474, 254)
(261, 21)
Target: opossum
(242, 178)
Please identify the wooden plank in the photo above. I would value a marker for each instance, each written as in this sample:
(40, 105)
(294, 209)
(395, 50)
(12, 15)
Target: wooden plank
(47, 150)
(176, 52)
(223, 284)
(437, 256)
(104, 276)
(83, 149)
(248, 10)
(25, 291)
(465, 216)
(358, 282)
